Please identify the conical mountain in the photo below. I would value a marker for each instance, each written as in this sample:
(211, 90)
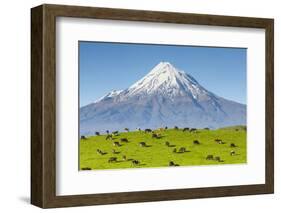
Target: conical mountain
(165, 80)
(165, 96)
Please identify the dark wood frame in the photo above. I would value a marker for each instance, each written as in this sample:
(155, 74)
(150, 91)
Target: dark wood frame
(43, 105)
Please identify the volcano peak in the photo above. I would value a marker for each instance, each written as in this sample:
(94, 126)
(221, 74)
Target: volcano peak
(165, 79)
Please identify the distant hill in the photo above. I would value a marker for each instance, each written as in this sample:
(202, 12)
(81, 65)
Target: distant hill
(238, 127)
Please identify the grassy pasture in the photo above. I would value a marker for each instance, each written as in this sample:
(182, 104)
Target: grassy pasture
(157, 154)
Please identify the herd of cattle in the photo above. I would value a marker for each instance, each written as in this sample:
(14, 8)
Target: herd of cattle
(157, 135)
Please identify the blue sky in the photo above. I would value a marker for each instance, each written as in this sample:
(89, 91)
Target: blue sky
(107, 66)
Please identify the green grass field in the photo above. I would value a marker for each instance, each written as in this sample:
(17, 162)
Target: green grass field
(157, 154)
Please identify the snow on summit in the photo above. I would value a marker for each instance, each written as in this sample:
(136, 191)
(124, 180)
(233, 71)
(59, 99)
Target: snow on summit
(165, 80)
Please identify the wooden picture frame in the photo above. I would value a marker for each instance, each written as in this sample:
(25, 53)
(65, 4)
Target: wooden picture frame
(43, 105)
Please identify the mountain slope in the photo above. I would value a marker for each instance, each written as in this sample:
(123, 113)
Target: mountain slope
(166, 96)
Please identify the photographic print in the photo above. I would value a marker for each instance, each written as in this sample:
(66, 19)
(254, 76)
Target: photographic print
(152, 105)
(135, 106)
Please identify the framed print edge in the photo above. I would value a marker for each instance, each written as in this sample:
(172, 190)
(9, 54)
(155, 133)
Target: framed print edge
(269, 138)
(36, 106)
(43, 105)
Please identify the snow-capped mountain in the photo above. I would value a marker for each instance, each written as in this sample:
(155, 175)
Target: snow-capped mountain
(166, 96)
(166, 80)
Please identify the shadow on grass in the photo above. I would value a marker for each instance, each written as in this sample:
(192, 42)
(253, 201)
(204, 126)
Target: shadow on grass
(159, 137)
(139, 165)
(182, 152)
(104, 153)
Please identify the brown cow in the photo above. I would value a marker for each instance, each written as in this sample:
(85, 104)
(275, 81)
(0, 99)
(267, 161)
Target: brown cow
(171, 163)
(196, 142)
(135, 162)
(116, 144)
(182, 150)
(124, 140)
(210, 157)
(112, 160)
(143, 144)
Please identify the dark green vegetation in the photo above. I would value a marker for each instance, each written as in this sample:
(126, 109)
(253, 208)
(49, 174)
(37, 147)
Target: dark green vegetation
(171, 147)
